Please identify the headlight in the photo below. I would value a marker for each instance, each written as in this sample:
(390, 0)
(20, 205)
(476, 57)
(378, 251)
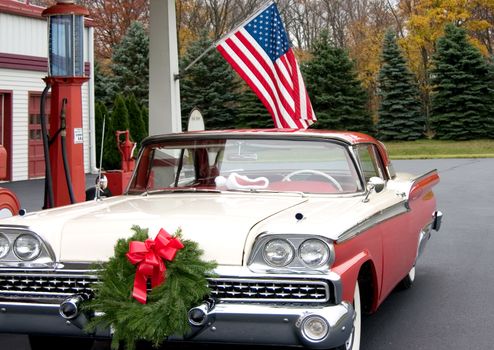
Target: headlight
(4, 246)
(314, 252)
(278, 252)
(27, 247)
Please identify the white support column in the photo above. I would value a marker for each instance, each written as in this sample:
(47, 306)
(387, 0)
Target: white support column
(164, 90)
(93, 167)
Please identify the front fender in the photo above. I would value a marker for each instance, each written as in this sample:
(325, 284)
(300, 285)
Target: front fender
(349, 271)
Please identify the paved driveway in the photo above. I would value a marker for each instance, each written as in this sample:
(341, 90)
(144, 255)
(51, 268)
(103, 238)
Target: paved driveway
(450, 305)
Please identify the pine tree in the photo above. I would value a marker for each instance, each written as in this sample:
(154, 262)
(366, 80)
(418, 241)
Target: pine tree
(463, 99)
(337, 97)
(119, 120)
(400, 116)
(104, 86)
(210, 85)
(131, 63)
(120, 114)
(251, 112)
(137, 127)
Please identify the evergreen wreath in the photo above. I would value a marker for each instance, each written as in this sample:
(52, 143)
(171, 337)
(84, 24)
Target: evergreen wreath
(165, 312)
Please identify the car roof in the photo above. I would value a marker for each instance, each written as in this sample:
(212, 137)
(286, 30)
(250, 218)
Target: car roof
(349, 137)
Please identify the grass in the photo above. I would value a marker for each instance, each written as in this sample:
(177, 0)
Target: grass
(423, 149)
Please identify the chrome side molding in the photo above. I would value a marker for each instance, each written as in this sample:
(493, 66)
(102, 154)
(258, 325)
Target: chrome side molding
(437, 217)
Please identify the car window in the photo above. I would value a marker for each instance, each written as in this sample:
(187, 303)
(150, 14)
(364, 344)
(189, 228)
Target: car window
(232, 164)
(370, 161)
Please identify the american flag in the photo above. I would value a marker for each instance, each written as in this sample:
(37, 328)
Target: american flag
(260, 53)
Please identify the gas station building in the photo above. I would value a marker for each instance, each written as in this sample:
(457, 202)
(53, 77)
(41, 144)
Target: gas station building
(23, 65)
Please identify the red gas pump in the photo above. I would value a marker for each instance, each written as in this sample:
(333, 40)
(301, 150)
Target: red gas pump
(9, 204)
(118, 179)
(126, 150)
(65, 170)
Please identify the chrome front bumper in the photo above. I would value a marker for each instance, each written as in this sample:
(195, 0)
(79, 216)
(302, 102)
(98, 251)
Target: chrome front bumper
(273, 325)
(224, 323)
(282, 321)
(42, 319)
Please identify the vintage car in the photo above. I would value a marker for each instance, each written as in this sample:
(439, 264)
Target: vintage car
(309, 229)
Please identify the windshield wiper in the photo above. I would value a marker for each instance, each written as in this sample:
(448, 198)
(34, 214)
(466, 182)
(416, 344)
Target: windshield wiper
(180, 190)
(256, 190)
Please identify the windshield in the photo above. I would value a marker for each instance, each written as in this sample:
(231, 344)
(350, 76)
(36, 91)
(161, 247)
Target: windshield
(246, 164)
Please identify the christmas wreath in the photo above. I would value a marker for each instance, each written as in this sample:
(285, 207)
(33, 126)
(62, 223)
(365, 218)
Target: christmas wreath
(178, 280)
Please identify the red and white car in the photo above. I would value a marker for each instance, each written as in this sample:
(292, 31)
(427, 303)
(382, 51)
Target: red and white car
(310, 229)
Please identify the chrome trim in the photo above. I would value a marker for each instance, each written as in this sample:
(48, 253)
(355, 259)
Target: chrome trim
(257, 264)
(424, 236)
(44, 286)
(46, 258)
(242, 272)
(423, 176)
(437, 220)
(375, 184)
(383, 215)
(328, 294)
(75, 301)
(228, 323)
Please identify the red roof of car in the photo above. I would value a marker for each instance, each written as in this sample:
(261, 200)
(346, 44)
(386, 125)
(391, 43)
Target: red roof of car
(350, 137)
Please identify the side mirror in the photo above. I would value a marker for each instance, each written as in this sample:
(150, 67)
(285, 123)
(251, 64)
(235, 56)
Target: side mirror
(375, 183)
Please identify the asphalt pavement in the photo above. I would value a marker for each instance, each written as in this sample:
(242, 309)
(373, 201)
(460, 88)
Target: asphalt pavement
(449, 306)
(31, 192)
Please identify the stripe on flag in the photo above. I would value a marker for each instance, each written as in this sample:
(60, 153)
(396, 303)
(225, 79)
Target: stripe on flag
(260, 53)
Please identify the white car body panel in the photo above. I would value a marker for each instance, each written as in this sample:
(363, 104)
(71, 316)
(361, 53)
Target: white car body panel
(225, 225)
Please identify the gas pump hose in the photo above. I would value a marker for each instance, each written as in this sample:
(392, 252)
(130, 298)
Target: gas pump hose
(48, 200)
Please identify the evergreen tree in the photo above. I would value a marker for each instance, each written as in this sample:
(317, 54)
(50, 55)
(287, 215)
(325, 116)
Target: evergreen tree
(137, 127)
(251, 112)
(400, 116)
(120, 114)
(119, 120)
(463, 99)
(210, 85)
(337, 97)
(131, 63)
(104, 86)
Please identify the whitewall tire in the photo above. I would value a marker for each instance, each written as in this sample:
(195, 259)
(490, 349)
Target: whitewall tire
(353, 341)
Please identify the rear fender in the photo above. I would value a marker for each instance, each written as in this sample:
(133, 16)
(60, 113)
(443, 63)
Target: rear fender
(422, 185)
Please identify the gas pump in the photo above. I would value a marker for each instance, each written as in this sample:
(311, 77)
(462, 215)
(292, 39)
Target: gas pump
(118, 179)
(63, 145)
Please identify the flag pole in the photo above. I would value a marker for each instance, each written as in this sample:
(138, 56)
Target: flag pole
(261, 8)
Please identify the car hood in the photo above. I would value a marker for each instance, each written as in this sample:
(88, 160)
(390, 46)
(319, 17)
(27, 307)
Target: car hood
(219, 223)
(224, 225)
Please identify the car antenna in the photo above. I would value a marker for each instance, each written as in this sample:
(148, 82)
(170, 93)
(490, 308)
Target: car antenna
(97, 185)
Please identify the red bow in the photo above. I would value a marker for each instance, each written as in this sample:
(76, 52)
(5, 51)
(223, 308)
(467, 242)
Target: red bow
(149, 256)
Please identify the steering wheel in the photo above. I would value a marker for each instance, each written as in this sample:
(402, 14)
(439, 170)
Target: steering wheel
(316, 172)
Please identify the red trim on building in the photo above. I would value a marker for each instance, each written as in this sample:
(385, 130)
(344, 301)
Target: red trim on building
(7, 130)
(63, 9)
(23, 62)
(31, 63)
(27, 10)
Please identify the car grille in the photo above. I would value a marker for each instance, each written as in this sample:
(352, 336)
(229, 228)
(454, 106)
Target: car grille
(54, 287)
(269, 290)
(44, 287)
